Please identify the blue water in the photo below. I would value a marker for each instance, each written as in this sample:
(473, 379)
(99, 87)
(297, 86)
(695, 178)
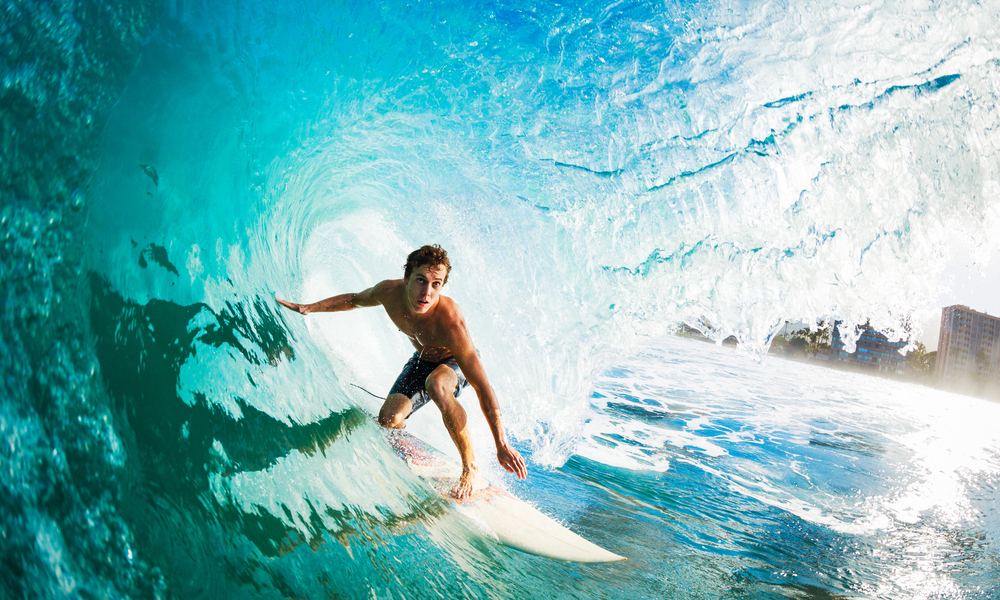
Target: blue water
(600, 174)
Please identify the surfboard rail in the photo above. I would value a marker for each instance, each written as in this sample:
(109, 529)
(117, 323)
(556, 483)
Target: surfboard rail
(515, 523)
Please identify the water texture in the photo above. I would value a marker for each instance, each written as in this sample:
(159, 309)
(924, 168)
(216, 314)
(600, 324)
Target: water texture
(600, 174)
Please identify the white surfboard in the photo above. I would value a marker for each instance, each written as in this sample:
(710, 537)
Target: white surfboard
(516, 523)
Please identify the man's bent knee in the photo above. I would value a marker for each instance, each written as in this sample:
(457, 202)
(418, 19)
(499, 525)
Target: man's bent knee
(441, 388)
(394, 412)
(392, 421)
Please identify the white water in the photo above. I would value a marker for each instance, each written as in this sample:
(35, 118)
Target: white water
(909, 470)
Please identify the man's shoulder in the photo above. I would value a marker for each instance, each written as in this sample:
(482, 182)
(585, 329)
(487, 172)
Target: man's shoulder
(386, 293)
(449, 313)
(387, 286)
(448, 304)
(453, 328)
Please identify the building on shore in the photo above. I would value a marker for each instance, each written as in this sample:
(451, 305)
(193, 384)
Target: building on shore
(968, 349)
(874, 352)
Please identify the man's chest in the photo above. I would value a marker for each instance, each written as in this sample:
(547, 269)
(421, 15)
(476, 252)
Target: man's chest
(423, 332)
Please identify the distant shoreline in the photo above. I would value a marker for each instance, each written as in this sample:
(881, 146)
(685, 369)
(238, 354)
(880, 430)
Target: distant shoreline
(969, 390)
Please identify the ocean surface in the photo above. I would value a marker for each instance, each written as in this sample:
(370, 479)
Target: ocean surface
(601, 174)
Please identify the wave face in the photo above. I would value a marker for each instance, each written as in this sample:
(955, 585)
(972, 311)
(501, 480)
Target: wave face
(600, 173)
(63, 461)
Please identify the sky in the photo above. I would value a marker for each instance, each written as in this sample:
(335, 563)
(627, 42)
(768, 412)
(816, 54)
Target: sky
(965, 284)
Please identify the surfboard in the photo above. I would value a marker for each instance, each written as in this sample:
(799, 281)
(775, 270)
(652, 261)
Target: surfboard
(515, 523)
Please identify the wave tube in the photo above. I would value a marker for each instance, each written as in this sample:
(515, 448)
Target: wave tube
(600, 173)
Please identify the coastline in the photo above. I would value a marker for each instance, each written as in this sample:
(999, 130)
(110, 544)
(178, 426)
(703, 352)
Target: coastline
(972, 390)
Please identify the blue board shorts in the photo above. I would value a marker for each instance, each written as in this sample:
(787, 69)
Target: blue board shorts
(412, 381)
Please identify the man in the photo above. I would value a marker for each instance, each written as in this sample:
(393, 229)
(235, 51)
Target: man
(445, 360)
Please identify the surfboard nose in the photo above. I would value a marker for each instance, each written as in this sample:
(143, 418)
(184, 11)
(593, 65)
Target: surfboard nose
(515, 523)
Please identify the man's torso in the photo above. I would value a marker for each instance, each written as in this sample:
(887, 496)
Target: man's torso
(430, 334)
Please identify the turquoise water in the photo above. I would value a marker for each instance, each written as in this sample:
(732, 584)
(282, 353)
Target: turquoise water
(600, 174)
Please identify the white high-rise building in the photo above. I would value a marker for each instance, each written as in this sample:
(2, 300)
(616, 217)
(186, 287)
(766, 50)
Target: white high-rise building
(968, 348)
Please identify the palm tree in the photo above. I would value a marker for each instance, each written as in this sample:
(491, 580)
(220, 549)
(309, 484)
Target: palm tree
(918, 361)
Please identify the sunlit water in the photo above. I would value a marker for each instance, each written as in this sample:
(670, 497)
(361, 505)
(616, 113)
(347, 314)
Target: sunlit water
(799, 477)
(600, 173)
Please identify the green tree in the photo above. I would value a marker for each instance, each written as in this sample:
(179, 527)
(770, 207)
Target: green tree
(814, 341)
(918, 361)
(797, 346)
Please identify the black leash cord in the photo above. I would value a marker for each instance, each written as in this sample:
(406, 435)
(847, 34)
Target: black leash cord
(367, 392)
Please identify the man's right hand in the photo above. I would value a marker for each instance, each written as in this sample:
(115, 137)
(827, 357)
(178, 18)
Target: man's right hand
(511, 460)
(303, 309)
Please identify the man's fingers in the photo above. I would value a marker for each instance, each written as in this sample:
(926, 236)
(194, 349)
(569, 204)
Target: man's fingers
(506, 462)
(514, 464)
(290, 305)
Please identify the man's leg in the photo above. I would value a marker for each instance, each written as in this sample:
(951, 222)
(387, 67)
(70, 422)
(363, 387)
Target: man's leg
(440, 385)
(394, 411)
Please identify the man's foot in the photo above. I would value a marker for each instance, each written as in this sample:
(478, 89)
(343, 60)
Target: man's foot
(464, 488)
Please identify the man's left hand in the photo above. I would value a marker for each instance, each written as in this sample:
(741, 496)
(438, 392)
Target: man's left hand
(512, 461)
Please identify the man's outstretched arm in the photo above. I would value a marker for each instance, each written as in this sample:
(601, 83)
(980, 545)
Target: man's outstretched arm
(369, 297)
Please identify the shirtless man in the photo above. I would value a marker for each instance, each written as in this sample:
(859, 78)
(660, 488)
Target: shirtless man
(445, 360)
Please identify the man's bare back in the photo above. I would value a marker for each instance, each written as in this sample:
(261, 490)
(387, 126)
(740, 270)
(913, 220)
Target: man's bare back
(436, 328)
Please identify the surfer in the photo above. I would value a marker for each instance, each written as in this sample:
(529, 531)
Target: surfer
(445, 360)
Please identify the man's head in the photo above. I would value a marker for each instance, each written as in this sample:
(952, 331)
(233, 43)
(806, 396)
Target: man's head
(425, 274)
(427, 255)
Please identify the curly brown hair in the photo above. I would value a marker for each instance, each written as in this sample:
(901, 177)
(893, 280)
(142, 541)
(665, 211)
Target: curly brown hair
(427, 255)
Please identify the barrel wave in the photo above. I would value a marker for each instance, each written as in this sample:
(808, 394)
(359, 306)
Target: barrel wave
(600, 173)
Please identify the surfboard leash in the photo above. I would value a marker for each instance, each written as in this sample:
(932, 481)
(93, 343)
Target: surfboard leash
(367, 392)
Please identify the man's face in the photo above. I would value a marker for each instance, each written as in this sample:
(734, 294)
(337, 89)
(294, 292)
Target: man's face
(423, 288)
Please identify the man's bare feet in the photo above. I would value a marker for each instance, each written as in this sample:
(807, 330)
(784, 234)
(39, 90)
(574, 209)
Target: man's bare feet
(464, 489)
